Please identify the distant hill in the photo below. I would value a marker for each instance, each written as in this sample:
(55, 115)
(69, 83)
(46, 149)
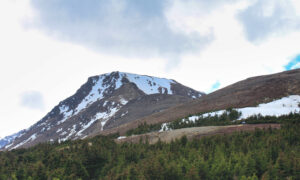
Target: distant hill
(246, 93)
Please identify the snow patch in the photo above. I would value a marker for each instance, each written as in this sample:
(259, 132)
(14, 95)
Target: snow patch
(97, 93)
(121, 137)
(48, 128)
(105, 116)
(8, 140)
(63, 133)
(66, 112)
(8, 146)
(164, 127)
(215, 113)
(278, 107)
(72, 131)
(123, 101)
(31, 138)
(43, 129)
(59, 130)
(148, 84)
(123, 114)
(105, 102)
(86, 126)
(283, 106)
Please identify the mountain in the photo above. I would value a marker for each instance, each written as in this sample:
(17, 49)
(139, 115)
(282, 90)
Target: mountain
(104, 102)
(247, 93)
(9, 139)
(118, 102)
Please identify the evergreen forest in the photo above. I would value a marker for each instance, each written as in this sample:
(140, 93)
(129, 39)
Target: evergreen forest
(260, 154)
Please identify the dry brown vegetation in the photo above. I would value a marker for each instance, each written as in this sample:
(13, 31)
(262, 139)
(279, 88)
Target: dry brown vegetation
(249, 92)
(195, 132)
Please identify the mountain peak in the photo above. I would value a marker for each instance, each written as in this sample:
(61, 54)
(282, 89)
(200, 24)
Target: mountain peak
(105, 101)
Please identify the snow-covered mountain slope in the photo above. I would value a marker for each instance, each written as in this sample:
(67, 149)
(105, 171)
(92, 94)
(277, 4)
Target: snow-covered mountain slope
(283, 106)
(9, 139)
(105, 101)
(246, 93)
(279, 107)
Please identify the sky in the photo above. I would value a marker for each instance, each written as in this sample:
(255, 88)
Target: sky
(48, 49)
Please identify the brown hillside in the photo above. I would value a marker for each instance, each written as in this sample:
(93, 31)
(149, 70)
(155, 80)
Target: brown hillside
(195, 132)
(249, 92)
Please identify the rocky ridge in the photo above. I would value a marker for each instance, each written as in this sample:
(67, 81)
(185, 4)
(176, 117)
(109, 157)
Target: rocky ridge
(104, 102)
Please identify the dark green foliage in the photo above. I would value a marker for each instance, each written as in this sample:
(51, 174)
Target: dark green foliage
(256, 119)
(262, 154)
(229, 117)
(144, 128)
(225, 119)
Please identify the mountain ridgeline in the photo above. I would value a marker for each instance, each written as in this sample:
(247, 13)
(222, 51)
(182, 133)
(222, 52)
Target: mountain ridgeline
(246, 93)
(104, 102)
(118, 102)
(128, 126)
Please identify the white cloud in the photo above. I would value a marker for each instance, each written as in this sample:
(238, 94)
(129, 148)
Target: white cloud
(231, 57)
(130, 28)
(263, 19)
(32, 100)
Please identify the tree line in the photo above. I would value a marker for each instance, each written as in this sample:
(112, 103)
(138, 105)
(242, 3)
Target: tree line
(261, 154)
(228, 117)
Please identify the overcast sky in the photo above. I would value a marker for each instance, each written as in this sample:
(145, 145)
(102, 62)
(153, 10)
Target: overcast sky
(48, 49)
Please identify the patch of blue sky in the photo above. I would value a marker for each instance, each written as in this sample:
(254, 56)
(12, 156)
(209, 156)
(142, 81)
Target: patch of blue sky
(294, 63)
(215, 86)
